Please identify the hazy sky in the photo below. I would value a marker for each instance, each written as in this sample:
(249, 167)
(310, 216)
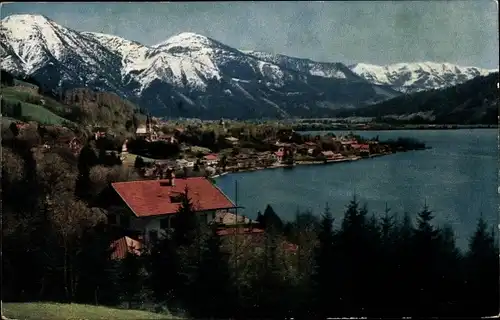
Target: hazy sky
(383, 32)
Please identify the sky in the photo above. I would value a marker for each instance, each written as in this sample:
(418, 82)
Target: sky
(376, 32)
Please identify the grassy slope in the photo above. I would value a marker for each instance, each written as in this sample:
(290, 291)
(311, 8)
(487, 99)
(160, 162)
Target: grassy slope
(59, 311)
(43, 114)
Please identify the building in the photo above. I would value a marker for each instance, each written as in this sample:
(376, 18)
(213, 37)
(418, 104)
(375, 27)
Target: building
(211, 159)
(362, 149)
(185, 163)
(124, 246)
(146, 131)
(168, 138)
(285, 154)
(232, 140)
(151, 205)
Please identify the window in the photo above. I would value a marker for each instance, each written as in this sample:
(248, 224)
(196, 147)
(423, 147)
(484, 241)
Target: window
(173, 220)
(153, 235)
(164, 223)
(112, 218)
(125, 221)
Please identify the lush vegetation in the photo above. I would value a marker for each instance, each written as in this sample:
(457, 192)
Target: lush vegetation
(26, 101)
(472, 102)
(56, 247)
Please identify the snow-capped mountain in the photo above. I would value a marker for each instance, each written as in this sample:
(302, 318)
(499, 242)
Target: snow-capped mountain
(414, 77)
(185, 75)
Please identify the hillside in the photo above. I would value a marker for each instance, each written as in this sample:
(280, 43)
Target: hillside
(473, 102)
(59, 311)
(190, 75)
(25, 101)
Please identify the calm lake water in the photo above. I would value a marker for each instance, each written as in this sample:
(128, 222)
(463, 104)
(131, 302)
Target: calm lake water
(457, 178)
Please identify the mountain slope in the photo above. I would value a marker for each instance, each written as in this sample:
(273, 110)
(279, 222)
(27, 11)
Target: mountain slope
(414, 77)
(188, 75)
(473, 102)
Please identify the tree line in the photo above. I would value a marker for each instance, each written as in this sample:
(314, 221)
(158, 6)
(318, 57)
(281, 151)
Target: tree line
(56, 246)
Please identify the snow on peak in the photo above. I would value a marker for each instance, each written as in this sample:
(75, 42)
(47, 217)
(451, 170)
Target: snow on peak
(187, 40)
(417, 76)
(26, 18)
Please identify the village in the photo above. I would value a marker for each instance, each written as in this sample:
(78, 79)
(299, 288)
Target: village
(170, 163)
(286, 149)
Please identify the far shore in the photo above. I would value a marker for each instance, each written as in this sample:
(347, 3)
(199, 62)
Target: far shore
(306, 128)
(302, 163)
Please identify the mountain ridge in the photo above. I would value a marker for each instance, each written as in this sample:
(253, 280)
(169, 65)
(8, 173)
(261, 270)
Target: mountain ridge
(185, 75)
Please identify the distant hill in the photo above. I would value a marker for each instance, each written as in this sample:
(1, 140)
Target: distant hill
(473, 102)
(23, 99)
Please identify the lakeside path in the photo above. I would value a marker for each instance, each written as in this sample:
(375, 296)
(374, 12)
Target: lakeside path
(303, 163)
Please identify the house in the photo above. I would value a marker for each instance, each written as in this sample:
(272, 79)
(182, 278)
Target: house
(185, 163)
(141, 131)
(285, 154)
(169, 138)
(211, 159)
(227, 218)
(362, 149)
(99, 134)
(125, 245)
(232, 140)
(153, 204)
(328, 154)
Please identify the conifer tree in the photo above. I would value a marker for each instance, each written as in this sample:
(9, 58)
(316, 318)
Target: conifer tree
(425, 254)
(482, 267)
(213, 294)
(132, 280)
(323, 268)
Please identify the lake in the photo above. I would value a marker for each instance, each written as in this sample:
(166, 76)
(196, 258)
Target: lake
(457, 179)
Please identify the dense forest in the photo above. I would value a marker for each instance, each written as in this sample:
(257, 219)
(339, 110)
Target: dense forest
(56, 247)
(472, 102)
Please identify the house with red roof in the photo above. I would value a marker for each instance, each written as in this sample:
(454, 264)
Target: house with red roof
(361, 149)
(151, 205)
(211, 159)
(124, 246)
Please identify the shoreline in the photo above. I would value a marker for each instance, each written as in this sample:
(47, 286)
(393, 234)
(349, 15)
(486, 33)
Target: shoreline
(306, 163)
(299, 129)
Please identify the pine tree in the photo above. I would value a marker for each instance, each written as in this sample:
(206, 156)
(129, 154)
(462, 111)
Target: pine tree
(271, 219)
(449, 273)
(213, 294)
(482, 267)
(186, 236)
(425, 253)
(132, 280)
(323, 269)
(163, 266)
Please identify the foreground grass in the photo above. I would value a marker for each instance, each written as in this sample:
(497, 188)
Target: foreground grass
(60, 311)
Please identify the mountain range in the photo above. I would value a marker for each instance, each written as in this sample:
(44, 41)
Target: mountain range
(190, 75)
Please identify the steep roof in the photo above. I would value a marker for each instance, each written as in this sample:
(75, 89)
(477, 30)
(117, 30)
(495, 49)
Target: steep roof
(153, 197)
(125, 245)
(211, 157)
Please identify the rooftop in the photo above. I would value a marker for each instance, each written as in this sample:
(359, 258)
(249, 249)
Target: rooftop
(153, 197)
(124, 246)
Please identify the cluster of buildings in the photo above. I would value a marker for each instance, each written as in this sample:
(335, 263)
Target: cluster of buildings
(150, 133)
